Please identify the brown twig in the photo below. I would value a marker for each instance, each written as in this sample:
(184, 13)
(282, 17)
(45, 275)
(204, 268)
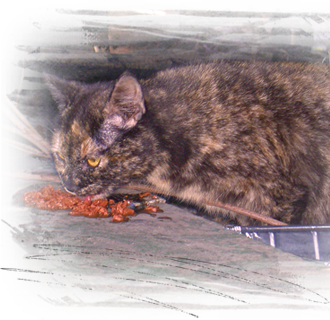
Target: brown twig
(247, 213)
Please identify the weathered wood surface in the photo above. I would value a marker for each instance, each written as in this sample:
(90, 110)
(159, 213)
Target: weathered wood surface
(80, 64)
(187, 266)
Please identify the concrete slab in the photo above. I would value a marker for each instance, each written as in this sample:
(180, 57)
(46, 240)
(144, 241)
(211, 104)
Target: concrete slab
(61, 267)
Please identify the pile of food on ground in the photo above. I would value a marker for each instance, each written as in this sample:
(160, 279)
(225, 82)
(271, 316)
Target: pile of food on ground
(50, 199)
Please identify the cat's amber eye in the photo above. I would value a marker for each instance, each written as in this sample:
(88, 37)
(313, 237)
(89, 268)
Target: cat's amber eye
(93, 162)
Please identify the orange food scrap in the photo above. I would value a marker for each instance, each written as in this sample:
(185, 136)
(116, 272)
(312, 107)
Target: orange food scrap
(49, 199)
(143, 195)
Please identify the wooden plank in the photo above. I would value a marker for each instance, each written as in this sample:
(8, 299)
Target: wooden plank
(184, 265)
(80, 64)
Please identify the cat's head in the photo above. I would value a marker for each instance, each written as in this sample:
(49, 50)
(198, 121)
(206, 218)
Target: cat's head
(92, 152)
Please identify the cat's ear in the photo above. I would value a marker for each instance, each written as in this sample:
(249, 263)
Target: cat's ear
(61, 90)
(126, 105)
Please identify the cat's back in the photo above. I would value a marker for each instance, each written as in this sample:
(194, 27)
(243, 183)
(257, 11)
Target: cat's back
(217, 91)
(240, 96)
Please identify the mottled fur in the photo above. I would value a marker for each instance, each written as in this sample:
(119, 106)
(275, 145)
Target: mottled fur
(253, 134)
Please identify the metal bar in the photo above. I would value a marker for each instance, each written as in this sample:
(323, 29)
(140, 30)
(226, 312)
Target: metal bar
(316, 245)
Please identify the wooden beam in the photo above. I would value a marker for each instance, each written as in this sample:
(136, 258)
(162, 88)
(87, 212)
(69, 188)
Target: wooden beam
(80, 65)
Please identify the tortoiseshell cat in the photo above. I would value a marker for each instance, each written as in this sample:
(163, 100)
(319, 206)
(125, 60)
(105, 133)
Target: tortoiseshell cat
(252, 134)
